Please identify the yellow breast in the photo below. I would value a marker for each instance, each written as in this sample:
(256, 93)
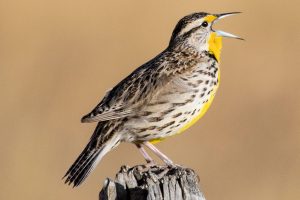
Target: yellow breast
(214, 47)
(203, 110)
(199, 115)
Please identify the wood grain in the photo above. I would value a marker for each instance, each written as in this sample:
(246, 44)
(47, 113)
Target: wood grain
(152, 183)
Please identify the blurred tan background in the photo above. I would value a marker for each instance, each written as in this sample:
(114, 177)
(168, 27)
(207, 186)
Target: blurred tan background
(58, 57)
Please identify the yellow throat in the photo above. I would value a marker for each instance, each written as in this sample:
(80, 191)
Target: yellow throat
(214, 41)
(215, 45)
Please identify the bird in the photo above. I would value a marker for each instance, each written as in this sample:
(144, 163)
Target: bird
(159, 99)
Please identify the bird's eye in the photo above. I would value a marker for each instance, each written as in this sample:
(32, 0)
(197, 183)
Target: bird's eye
(204, 24)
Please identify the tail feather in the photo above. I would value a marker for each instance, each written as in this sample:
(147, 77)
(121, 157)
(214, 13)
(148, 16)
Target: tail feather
(91, 166)
(87, 161)
(81, 168)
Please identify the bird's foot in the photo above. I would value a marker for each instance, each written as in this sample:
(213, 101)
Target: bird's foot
(147, 167)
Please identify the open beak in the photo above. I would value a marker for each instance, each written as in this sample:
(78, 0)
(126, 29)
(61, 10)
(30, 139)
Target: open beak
(223, 33)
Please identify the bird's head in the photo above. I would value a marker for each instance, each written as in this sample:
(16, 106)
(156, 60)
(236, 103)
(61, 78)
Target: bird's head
(196, 30)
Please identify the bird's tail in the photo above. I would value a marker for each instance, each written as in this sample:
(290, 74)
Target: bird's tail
(98, 146)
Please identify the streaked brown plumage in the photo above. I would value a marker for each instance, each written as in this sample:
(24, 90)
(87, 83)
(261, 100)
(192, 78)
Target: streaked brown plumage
(161, 98)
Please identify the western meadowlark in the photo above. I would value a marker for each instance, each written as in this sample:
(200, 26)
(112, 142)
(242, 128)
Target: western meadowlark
(161, 98)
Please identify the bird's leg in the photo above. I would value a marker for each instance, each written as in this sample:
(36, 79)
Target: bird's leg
(162, 156)
(148, 159)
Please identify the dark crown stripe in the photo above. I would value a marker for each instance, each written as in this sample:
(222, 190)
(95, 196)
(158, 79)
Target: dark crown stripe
(184, 22)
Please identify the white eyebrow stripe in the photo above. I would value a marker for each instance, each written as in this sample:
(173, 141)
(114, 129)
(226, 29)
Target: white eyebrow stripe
(190, 26)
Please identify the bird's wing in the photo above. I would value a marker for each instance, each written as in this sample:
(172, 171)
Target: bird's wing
(127, 97)
(103, 111)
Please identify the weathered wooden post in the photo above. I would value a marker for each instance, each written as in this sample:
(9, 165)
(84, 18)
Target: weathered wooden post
(152, 183)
